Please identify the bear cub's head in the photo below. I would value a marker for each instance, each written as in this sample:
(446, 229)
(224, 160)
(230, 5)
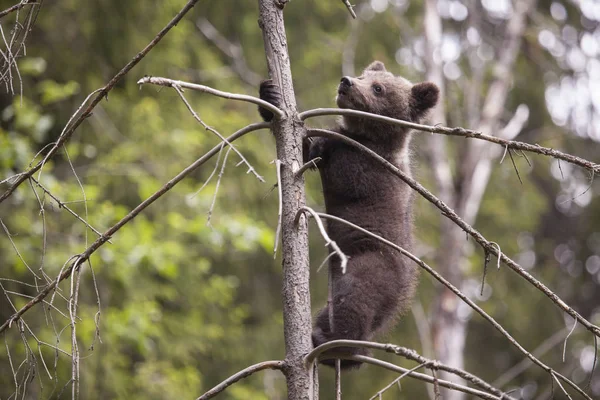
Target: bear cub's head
(380, 92)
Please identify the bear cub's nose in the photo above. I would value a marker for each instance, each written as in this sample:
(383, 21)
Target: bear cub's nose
(347, 81)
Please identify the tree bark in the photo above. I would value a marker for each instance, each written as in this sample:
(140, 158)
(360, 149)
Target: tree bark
(289, 131)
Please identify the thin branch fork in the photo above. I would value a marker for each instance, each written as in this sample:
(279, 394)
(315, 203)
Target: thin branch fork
(425, 378)
(76, 261)
(450, 214)
(277, 365)
(74, 122)
(408, 354)
(468, 133)
(464, 298)
(328, 241)
(206, 89)
(179, 91)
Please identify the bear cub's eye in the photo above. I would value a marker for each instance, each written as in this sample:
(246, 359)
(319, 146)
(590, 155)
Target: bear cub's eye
(377, 88)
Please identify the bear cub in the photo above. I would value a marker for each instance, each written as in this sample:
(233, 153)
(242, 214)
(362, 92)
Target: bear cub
(379, 282)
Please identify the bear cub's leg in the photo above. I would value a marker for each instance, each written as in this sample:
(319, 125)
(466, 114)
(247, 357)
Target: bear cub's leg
(365, 302)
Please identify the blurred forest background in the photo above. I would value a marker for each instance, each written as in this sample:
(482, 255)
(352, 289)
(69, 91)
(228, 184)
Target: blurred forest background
(184, 304)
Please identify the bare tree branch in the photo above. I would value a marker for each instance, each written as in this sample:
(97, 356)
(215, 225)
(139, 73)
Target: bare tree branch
(396, 381)
(214, 131)
(458, 293)
(328, 242)
(78, 259)
(449, 213)
(201, 88)
(425, 378)
(543, 348)
(17, 6)
(63, 205)
(102, 92)
(349, 7)
(279, 365)
(468, 133)
(406, 353)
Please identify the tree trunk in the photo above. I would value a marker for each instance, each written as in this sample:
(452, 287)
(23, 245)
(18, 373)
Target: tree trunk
(289, 132)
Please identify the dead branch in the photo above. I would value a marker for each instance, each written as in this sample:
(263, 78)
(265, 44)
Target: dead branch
(396, 381)
(450, 214)
(75, 261)
(328, 242)
(464, 298)
(349, 7)
(468, 133)
(425, 378)
(309, 164)
(215, 132)
(17, 6)
(516, 370)
(102, 93)
(408, 354)
(206, 89)
(278, 365)
(63, 205)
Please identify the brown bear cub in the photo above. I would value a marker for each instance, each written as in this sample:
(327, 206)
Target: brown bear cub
(379, 282)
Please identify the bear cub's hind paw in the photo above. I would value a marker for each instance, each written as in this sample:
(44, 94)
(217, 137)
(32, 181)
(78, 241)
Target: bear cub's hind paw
(319, 337)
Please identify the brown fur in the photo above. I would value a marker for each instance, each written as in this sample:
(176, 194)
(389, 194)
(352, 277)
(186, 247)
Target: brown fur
(379, 283)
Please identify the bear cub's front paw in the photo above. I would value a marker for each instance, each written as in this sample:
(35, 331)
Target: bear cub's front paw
(270, 93)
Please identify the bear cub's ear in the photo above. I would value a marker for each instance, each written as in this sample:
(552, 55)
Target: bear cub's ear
(424, 96)
(376, 66)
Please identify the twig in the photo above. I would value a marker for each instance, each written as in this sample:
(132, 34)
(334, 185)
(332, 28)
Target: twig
(515, 165)
(331, 254)
(338, 378)
(349, 7)
(210, 129)
(397, 380)
(307, 165)
(66, 272)
(214, 199)
(547, 345)
(280, 209)
(567, 338)
(63, 205)
(404, 352)
(464, 298)
(241, 375)
(17, 6)
(436, 386)
(450, 214)
(8, 234)
(232, 96)
(209, 177)
(328, 241)
(424, 377)
(511, 144)
(102, 93)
